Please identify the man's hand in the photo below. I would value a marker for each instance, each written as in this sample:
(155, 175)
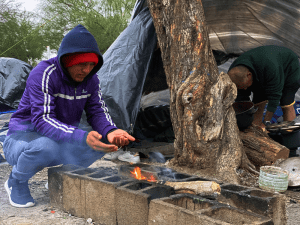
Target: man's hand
(119, 137)
(93, 140)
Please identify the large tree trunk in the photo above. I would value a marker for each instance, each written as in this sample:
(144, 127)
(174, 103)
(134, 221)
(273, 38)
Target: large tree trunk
(201, 100)
(204, 122)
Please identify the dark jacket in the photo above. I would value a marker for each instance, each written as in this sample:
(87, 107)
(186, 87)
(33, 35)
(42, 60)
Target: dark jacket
(273, 68)
(52, 103)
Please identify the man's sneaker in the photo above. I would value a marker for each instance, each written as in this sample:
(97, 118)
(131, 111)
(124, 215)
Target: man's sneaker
(18, 193)
(2, 160)
(7, 184)
(130, 157)
(114, 155)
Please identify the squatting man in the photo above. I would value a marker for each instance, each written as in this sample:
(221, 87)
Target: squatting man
(44, 131)
(272, 74)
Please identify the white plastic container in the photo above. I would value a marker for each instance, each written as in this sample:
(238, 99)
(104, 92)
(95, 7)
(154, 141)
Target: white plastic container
(273, 179)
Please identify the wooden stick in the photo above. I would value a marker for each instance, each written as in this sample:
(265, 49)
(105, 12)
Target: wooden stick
(196, 187)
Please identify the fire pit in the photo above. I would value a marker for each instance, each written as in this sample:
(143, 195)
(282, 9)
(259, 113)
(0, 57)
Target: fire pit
(109, 197)
(154, 173)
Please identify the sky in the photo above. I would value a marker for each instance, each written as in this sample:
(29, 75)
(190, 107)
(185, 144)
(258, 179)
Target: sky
(29, 5)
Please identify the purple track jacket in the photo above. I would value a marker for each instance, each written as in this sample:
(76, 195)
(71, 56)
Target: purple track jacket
(52, 103)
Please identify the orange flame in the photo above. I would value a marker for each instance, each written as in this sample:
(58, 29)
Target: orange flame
(138, 175)
(152, 179)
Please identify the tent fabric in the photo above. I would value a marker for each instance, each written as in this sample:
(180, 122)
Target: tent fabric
(13, 76)
(154, 123)
(139, 5)
(158, 98)
(156, 79)
(236, 26)
(125, 67)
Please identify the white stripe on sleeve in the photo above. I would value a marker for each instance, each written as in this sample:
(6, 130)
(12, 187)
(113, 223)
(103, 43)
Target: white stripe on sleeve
(105, 109)
(47, 99)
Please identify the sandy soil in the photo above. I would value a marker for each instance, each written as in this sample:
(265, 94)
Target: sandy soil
(43, 213)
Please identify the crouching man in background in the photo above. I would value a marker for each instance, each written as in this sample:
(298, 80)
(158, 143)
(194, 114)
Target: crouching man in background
(44, 132)
(272, 74)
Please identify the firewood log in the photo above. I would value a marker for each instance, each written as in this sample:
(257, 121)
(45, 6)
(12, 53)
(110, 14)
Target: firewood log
(260, 149)
(196, 187)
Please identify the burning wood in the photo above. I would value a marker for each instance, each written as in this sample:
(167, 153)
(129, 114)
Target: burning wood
(196, 187)
(136, 173)
(191, 187)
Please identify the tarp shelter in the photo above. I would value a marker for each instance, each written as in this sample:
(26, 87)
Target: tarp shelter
(131, 64)
(13, 76)
(125, 67)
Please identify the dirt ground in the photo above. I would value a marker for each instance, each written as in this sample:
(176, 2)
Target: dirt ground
(42, 213)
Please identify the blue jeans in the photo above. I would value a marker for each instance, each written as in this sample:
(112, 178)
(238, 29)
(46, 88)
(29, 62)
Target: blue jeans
(30, 152)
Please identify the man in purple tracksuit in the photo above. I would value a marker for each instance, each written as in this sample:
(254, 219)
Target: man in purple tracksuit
(44, 132)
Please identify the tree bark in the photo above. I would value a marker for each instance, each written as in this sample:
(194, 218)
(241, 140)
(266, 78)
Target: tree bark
(203, 119)
(204, 122)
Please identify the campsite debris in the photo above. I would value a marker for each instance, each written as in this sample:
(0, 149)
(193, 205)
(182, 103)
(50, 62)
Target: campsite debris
(89, 221)
(292, 166)
(273, 179)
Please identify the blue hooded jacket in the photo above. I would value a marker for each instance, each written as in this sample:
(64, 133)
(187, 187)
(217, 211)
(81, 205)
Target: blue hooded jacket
(52, 103)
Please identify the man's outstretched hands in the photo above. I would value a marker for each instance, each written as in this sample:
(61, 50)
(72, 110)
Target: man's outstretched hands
(119, 137)
(93, 140)
(116, 138)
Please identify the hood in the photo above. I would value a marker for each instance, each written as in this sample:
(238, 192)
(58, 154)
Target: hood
(79, 39)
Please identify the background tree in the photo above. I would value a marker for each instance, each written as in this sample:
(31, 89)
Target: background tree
(105, 19)
(21, 37)
(26, 35)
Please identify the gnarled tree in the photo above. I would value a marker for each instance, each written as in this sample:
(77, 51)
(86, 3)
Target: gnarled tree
(204, 122)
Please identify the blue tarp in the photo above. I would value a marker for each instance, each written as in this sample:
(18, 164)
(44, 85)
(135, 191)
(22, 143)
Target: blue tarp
(125, 68)
(13, 76)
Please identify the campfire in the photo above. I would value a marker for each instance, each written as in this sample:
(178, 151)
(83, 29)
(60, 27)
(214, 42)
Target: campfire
(137, 174)
(151, 175)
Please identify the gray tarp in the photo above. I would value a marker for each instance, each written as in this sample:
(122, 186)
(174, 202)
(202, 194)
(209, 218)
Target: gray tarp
(13, 76)
(237, 26)
(125, 67)
(155, 99)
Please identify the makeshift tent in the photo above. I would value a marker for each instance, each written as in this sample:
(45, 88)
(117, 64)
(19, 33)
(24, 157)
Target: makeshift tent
(132, 67)
(235, 26)
(13, 76)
